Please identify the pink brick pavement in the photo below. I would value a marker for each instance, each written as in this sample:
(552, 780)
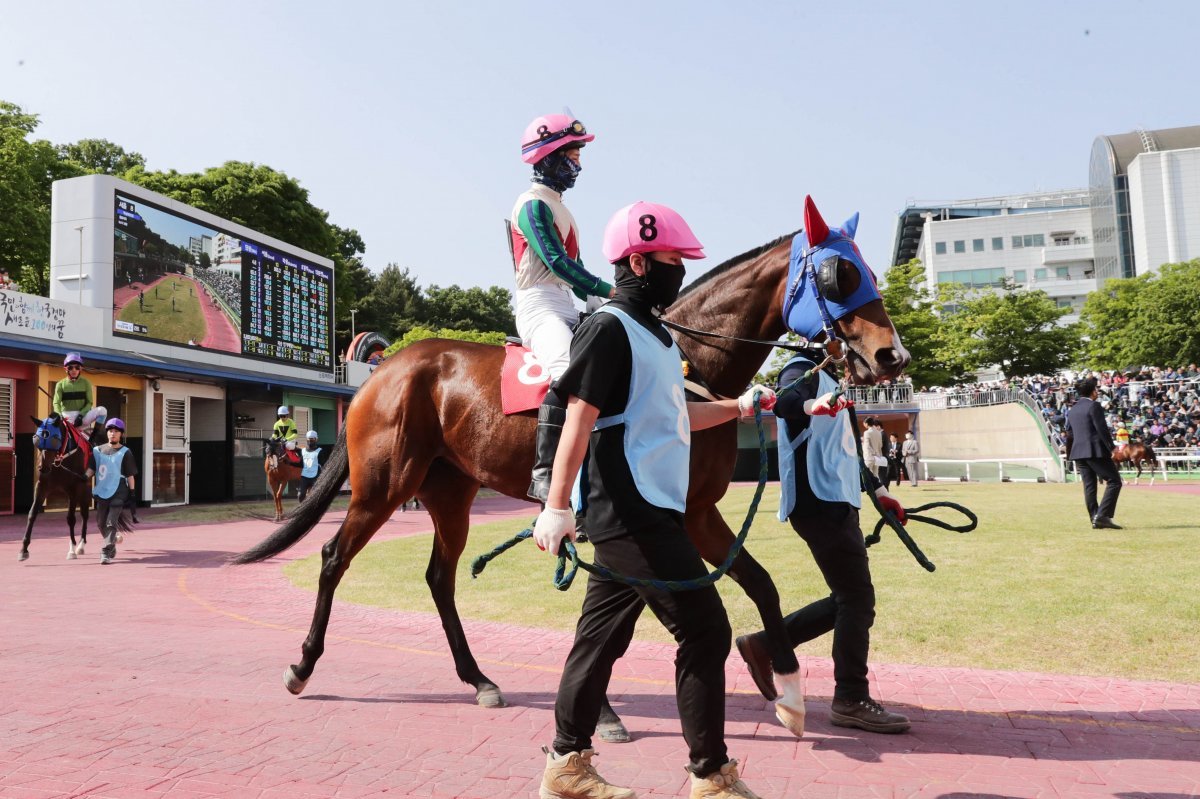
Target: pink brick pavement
(160, 675)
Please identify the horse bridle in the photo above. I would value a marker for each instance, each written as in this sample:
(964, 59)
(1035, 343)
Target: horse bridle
(827, 274)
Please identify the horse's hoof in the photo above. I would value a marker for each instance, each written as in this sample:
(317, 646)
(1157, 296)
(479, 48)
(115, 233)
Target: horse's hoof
(79, 548)
(24, 555)
(292, 681)
(71, 553)
(120, 538)
(613, 732)
(490, 697)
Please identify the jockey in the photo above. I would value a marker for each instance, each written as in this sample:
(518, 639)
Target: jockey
(624, 386)
(73, 396)
(285, 429)
(1122, 436)
(545, 248)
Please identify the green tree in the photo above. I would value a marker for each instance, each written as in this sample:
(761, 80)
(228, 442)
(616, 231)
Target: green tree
(27, 170)
(420, 333)
(1168, 332)
(470, 309)
(394, 304)
(1014, 329)
(99, 156)
(1109, 320)
(912, 310)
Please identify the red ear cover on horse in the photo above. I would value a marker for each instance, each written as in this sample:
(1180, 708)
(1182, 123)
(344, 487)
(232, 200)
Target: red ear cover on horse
(814, 226)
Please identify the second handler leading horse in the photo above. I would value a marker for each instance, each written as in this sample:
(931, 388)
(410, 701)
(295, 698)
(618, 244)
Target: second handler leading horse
(429, 423)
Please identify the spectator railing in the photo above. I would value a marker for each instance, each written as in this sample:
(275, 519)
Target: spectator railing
(940, 400)
(962, 469)
(877, 397)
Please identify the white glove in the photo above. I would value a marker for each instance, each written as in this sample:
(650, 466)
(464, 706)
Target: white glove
(766, 400)
(593, 303)
(552, 526)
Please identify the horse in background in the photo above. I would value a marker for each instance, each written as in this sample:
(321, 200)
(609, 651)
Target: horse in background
(429, 424)
(1136, 454)
(61, 462)
(280, 471)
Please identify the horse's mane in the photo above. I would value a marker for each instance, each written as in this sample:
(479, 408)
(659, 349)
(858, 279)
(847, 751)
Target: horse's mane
(733, 262)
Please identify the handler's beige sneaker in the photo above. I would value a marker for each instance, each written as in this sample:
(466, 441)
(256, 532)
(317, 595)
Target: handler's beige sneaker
(723, 784)
(572, 776)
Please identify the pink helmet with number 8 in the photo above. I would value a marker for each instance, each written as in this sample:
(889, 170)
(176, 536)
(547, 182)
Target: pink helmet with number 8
(552, 132)
(648, 227)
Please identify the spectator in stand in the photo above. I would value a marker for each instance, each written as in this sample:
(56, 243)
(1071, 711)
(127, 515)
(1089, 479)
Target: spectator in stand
(1090, 446)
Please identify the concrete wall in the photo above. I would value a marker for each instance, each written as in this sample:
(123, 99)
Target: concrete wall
(994, 431)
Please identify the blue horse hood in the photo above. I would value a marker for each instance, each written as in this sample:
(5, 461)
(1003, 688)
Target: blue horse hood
(801, 313)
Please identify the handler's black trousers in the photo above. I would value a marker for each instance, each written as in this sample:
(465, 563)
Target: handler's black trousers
(832, 533)
(1106, 470)
(108, 512)
(610, 611)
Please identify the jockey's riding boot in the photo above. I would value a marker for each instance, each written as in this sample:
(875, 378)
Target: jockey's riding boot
(551, 416)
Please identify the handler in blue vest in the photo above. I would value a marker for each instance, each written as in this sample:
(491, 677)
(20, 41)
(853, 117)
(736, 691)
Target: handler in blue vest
(624, 385)
(312, 460)
(820, 494)
(115, 470)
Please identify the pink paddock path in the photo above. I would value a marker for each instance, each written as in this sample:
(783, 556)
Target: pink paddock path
(160, 676)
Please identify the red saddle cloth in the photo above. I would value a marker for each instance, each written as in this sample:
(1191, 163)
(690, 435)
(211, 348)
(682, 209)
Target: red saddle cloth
(523, 381)
(292, 456)
(80, 441)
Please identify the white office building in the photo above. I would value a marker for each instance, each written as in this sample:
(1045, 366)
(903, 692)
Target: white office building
(1040, 241)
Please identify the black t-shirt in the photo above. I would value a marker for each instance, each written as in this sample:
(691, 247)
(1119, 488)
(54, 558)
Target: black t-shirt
(599, 374)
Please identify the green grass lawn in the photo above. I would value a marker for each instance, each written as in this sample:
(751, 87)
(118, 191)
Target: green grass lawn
(184, 322)
(1034, 588)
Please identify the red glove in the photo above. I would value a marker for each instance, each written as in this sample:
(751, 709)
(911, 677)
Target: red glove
(766, 400)
(890, 503)
(825, 405)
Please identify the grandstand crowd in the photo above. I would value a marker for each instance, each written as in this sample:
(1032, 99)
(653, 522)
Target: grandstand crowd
(224, 284)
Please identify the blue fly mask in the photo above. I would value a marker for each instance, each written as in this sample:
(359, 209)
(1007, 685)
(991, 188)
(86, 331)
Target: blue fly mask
(827, 277)
(49, 436)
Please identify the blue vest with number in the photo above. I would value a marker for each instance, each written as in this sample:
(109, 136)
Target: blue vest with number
(832, 461)
(108, 471)
(658, 433)
(311, 464)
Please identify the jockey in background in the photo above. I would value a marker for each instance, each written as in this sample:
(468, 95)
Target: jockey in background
(284, 431)
(545, 249)
(73, 396)
(1121, 436)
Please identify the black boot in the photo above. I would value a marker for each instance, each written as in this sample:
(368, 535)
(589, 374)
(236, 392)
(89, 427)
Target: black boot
(551, 416)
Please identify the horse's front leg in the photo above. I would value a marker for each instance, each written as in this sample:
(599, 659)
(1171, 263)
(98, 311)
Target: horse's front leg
(73, 550)
(39, 496)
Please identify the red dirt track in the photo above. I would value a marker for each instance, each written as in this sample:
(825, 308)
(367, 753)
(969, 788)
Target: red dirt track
(160, 676)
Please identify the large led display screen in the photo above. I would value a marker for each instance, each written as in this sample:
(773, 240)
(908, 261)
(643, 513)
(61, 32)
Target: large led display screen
(183, 282)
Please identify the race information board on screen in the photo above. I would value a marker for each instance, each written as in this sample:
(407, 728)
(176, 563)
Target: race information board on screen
(184, 282)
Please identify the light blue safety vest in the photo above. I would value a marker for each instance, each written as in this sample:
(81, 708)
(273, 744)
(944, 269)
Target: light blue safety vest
(310, 462)
(108, 471)
(833, 472)
(658, 433)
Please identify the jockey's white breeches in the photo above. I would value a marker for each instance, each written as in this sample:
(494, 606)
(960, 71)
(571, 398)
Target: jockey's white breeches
(546, 315)
(98, 412)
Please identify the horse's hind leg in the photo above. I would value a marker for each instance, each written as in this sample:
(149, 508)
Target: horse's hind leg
(73, 549)
(447, 494)
(363, 518)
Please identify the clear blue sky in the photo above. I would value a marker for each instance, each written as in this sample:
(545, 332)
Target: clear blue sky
(403, 119)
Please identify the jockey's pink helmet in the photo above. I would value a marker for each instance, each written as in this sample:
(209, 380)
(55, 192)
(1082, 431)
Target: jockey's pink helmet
(551, 132)
(648, 227)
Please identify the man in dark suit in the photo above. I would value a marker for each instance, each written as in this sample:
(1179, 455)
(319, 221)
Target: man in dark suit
(1090, 445)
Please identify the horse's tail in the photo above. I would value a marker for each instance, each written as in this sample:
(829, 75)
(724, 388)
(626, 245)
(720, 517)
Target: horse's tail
(304, 518)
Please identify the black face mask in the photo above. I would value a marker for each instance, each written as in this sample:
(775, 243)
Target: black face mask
(556, 171)
(662, 283)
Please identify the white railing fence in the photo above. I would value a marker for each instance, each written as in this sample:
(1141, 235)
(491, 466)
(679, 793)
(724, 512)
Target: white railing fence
(1041, 470)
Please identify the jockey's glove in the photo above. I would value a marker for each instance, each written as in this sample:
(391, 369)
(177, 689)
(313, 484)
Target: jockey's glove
(552, 526)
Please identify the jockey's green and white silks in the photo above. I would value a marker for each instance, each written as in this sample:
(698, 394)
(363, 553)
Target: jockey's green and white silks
(311, 464)
(832, 457)
(658, 435)
(108, 470)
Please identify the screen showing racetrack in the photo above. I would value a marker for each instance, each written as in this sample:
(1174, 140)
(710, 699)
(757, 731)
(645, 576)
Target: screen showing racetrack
(183, 282)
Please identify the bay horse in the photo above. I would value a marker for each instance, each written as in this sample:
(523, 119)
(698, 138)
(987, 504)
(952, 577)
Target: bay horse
(280, 471)
(429, 423)
(1135, 453)
(60, 468)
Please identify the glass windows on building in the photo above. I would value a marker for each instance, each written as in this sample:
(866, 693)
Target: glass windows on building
(1065, 302)
(1062, 239)
(939, 248)
(1035, 240)
(976, 245)
(960, 246)
(973, 278)
(1062, 272)
(997, 242)
(1019, 275)
(1039, 274)
(1080, 240)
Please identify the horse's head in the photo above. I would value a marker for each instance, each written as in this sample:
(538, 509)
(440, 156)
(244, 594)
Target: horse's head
(49, 434)
(832, 294)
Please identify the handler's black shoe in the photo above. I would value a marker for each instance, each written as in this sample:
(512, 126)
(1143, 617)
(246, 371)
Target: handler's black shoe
(758, 661)
(1105, 523)
(866, 714)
